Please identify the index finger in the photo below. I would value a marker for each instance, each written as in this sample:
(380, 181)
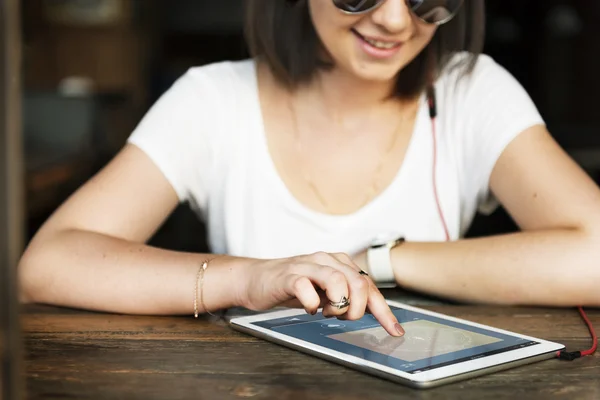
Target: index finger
(382, 312)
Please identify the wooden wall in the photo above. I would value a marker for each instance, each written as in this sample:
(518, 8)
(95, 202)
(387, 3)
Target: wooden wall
(11, 198)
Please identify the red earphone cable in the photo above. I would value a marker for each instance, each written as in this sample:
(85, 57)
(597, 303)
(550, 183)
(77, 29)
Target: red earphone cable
(563, 355)
(570, 356)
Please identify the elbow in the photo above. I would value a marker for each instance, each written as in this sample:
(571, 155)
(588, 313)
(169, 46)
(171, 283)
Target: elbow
(28, 277)
(43, 266)
(39, 266)
(34, 272)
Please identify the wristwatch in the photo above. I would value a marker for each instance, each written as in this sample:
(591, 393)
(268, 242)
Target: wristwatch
(380, 262)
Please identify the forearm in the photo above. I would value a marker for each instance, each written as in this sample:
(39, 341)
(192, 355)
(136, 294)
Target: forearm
(554, 268)
(93, 271)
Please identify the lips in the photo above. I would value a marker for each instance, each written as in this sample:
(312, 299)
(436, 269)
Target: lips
(378, 43)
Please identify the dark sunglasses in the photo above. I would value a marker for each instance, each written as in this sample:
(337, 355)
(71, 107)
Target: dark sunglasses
(436, 12)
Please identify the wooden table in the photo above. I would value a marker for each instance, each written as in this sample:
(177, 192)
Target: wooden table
(83, 355)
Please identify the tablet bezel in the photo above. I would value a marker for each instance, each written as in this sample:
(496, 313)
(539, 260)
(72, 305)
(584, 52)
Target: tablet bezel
(428, 378)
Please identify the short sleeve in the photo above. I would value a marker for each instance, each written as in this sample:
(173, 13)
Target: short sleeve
(493, 108)
(176, 134)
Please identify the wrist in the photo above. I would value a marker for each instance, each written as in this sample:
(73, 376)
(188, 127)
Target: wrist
(402, 259)
(380, 262)
(239, 275)
(227, 285)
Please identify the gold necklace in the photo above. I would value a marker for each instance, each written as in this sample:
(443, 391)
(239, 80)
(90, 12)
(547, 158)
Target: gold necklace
(373, 189)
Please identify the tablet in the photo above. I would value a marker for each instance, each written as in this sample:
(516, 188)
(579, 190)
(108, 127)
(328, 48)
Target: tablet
(436, 349)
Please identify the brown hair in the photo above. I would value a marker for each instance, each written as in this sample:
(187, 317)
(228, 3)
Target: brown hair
(281, 32)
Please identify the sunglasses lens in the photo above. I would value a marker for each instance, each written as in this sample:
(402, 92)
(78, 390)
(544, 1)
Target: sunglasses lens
(435, 11)
(356, 6)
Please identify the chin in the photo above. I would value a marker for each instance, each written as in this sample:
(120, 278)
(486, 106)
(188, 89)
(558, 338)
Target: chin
(379, 73)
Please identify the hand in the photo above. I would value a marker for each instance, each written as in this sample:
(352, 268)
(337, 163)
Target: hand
(360, 260)
(311, 282)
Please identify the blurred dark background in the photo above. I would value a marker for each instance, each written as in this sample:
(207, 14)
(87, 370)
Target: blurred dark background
(92, 68)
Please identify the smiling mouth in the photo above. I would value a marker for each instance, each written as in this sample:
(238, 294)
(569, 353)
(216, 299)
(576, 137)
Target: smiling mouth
(379, 44)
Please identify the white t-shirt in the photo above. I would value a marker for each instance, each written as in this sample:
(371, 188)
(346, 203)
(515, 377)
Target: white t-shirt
(206, 135)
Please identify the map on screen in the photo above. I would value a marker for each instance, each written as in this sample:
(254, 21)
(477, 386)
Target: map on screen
(423, 339)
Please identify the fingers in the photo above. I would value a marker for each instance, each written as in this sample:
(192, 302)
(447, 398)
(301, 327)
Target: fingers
(369, 296)
(382, 312)
(358, 286)
(304, 292)
(328, 279)
(357, 290)
(335, 285)
(338, 276)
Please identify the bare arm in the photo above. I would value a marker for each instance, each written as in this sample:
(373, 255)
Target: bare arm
(554, 261)
(91, 254)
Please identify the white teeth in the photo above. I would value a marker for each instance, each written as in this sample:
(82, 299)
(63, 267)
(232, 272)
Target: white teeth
(380, 45)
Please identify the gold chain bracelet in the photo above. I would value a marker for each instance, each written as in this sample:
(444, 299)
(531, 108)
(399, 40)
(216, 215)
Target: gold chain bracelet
(200, 278)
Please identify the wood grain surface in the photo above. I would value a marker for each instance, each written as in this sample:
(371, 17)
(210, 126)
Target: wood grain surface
(83, 355)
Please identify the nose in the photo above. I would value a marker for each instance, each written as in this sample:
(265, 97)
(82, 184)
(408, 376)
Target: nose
(394, 16)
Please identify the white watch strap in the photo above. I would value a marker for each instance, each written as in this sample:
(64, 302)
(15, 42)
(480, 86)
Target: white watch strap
(380, 266)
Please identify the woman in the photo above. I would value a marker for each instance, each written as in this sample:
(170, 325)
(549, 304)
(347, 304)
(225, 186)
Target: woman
(356, 121)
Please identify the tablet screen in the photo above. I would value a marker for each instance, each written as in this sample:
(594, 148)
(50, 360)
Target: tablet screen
(429, 342)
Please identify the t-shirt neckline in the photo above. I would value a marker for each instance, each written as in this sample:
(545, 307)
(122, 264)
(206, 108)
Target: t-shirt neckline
(296, 205)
